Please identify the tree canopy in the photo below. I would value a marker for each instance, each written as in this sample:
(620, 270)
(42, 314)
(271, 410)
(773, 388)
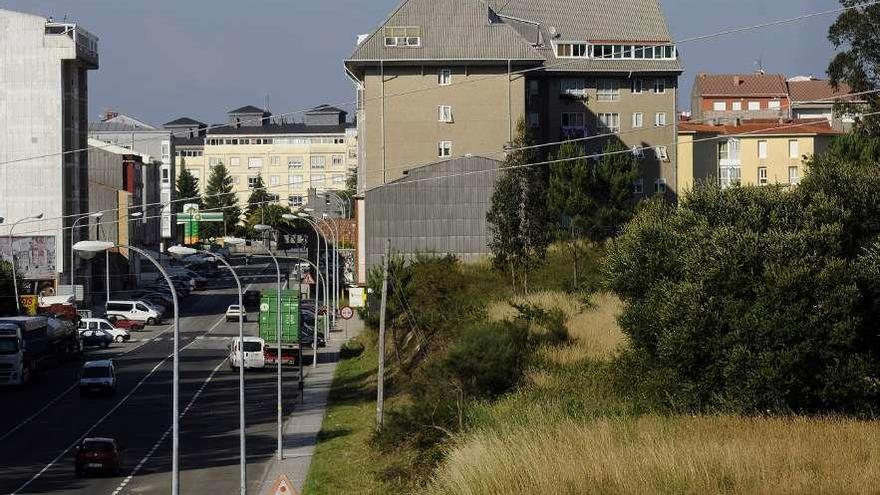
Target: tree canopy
(220, 196)
(857, 63)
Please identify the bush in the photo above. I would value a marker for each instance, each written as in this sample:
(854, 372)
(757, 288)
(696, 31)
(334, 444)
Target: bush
(351, 349)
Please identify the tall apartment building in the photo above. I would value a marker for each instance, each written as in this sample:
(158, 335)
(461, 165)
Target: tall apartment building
(291, 157)
(44, 121)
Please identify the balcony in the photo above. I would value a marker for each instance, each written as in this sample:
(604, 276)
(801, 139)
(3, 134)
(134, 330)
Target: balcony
(86, 43)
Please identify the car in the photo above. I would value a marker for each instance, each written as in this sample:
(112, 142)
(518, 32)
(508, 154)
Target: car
(133, 310)
(307, 338)
(130, 325)
(95, 338)
(233, 312)
(97, 377)
(251, 299)
(98, 455)
(119, 334)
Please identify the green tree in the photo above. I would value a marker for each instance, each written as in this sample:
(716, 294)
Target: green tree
(258, 198)
(271, 214)
(187, 190)
(7, 292)
(857, 63)
(519, 218)
(220, 196)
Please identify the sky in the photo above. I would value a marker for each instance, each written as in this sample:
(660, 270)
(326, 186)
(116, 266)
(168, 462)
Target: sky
(163, 59)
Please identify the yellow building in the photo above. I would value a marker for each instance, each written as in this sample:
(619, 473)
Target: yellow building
(753, 152)
(291, 157)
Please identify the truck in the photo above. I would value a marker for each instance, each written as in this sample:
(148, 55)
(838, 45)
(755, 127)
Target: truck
(288, 353)
(24, 348)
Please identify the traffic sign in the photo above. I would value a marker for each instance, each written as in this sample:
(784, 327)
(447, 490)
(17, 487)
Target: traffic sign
(283, 486)
(346, 313)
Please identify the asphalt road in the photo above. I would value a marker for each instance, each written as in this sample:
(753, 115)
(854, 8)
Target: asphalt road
(40, 424)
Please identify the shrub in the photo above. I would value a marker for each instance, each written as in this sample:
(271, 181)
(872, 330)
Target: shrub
(351, 349)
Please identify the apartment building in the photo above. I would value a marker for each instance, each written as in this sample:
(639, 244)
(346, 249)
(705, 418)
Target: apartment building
(754, 152)
(815, 98)
(44, 68)
(189, 147)
(744, 96)
(291, 157)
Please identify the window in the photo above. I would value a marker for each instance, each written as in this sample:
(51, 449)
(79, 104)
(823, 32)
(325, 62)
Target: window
(409, 36)
(660, 52)
(662, 153)
(275, 160)
(295, 180)
(534, 88)
(444, 78)
(337, 160)
(571, 50)
(638, 119)
(762, 176)
(660, 186)
(573, 120)
(255, 162)
(252, 182)
(638, 86)
(660, 86)
(660, 119)
(317, 179)
(274, 180)
(295, 162)
(444, 113)
(338, 179)
(754, 105)
(762, 150)
(736, 106)
(534, 120)
(793, 149)
(166, 176)
(729, 150)
(773, 105)
(295, 200)
(444, 149)
(609, 122)
(638, 187)
(318, 161)
(166, 153)
(608, 90)
(236, 180)
(274, 198)
(719, 106)
(234, 161)
(793, 176)
(638, 152)
(731, 174)
(572, 87)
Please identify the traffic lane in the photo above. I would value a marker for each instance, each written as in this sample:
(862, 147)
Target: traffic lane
(62, 424)
(23, 402)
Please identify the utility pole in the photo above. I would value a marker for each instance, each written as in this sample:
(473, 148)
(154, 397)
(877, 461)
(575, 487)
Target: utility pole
(380, 396)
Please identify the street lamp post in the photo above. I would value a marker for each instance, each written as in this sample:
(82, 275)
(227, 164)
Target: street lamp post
(344, 209)
(90, 249)
(304, 216)
(96, 216)
(182, 252)
(12, 255)
(334, 280)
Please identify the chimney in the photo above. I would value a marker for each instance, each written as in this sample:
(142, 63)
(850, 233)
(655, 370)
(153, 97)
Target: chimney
(737, 80)
(702, 75)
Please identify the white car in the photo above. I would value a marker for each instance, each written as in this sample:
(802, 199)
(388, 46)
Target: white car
(98, 377)
(253, 351)
(233, 311)
(119, 334)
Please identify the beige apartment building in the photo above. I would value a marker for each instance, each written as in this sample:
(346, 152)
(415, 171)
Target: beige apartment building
(291, 157)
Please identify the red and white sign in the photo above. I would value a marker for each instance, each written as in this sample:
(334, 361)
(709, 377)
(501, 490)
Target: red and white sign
(346, 313)
(283, 486)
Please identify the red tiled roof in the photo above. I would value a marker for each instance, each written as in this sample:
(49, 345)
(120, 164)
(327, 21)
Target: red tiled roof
(767, 85)
(816, 89)
(763, 127)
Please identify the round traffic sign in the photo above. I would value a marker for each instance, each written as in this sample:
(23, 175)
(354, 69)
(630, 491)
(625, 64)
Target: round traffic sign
(264, 307)
(346, 313)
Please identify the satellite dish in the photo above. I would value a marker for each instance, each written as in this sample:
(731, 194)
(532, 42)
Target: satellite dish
(553, 32)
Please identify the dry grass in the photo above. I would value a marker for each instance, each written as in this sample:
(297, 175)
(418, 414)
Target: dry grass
(679, 455)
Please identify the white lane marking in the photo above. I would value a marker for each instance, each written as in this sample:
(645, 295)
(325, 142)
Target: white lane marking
(156, 445)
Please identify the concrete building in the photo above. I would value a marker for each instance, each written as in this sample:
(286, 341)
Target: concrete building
(726, 97)
(158, 174)
(319, 152)
(436, 208)
(813, 98)
(44, 69)
(754, 152)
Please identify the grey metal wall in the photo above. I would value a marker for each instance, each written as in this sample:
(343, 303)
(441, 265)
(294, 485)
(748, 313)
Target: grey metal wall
(439, 208)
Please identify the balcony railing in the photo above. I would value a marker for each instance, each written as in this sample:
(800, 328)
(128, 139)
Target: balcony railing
(86, 42)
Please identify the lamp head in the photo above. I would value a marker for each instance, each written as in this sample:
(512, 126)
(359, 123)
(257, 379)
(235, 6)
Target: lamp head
(97, 215)
(233, 241)
(181, 251)
(262, 228)
(286, 216)
(39, 216)
(137, 214)
(89, 249)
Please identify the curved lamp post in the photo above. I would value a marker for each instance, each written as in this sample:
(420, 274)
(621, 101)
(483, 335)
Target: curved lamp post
(182, 252)
(304, 216)
(96, 216)
(90, 249)
(12, 255)
(234, 242)
(334, 281)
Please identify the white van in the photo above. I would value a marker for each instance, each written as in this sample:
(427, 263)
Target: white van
(119, 334)
(98, 377)
(133, 310)
(253, 353)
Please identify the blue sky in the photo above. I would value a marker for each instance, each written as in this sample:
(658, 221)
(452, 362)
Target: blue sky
(162, 59)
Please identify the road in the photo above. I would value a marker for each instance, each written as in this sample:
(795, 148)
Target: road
(40, 424)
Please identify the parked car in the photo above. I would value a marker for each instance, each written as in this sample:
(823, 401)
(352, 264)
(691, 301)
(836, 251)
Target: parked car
(133, 310)
(95, 338)
(119, 334)
(233, 312)
(307, 338)
(130, 325)
(97, 377)
(98, 455)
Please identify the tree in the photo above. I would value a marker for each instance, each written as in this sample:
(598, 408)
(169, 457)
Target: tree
(258, 198)
(591, 198)
(7, 292)
(187, 190)
(271, 214)
(519, 217)
(220, 197)
(857, 62)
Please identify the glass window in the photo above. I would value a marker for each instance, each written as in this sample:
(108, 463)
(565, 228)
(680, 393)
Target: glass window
(295, 161)
(337, 160)
(572, 87)
(295, 200)
(736, 106)
(719, 106)
(608, 90)
(638, 86)
(638, 186)
(295, 180)
(404, 36)
(534, 120)
(318, 161)
(660, 86)
(213, 161)
(275, 160)
(445, 77)
(638, 119)
(234, 161)
(754, 105)
(762, 150)
(762, 176)
(660, 186)
(444, 113)
(609, 122)
(317, 179)
(660, 119)
(662, 153)
(338, 179)
(773, 105)
(274, 180)
(444, 149)
(252, 182)
(793, 149)
(255, 162)
(573, 120)
(793, 176)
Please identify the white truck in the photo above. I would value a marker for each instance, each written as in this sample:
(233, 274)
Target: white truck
(24, 348)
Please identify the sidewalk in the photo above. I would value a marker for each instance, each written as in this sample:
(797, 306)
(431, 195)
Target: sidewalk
(301, 427)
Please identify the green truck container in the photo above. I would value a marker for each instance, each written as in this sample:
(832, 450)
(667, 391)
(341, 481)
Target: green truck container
(289, 317)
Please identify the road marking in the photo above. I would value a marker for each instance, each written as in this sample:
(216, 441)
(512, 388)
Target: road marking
(159, 442)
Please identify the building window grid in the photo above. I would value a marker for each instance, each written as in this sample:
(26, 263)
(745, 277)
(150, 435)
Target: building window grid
(318, 162)
(609, 122)
(763, 179)
(608, 90)
(444, 78)
(660, 186)
(638, 86)
(587, 50)
(444, 113)
(793, 176)
(444, 149)
(660, 86)
(660, 119)
(575, 87)
(638, 119)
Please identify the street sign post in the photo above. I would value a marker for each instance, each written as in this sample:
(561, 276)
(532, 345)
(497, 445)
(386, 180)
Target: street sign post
(346, 313)
(191, 218)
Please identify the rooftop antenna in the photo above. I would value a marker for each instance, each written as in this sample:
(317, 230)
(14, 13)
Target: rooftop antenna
(760, 65)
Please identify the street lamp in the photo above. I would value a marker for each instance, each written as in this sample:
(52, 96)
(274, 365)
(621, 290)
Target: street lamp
(235, 241)
(182, 252)
(334, 281)
(12, 255)
(96, 216)
(90, 249)
(308, 219)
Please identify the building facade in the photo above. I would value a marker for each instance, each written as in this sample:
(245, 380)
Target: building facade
(726, 97)
(813, 98)
(44, 69)
(751, 153)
